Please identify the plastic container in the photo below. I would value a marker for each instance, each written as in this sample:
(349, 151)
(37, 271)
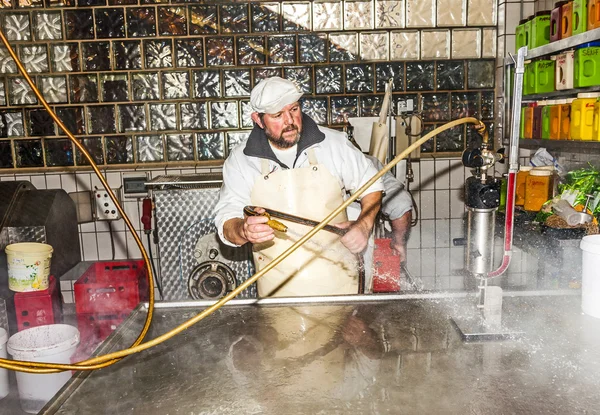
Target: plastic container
(579, 16)
(521, 35)
(537, 119)
(582, 116)
(522, 175)
(555, 118)
(565, 120)
(593, 14)
(556, 20)
(546, 119)
(53, 343)
(596, 128)
(528, 122)
(528, 79)
(28, 266)
(540, 29)
(537, 189)
(587, 65)
(38, 308)
(543, 72)
(566, 25)
(565, 64)
(590, 283)
(3, 372)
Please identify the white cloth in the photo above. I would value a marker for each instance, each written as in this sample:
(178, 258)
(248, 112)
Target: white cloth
(287, 156)
(335, 152)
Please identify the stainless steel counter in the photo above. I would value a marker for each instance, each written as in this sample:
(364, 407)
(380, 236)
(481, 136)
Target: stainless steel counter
(387, 356)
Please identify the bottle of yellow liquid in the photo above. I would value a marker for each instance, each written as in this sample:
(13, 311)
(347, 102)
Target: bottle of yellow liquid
(538, 186)
(520, 186)
(582, 116)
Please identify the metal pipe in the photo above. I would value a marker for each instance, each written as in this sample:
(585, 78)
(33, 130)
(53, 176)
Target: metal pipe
(251, 211)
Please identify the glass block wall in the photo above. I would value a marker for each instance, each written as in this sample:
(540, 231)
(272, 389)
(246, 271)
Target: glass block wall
(154, 82)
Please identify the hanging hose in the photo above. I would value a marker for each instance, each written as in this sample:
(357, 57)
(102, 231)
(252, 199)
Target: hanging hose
(137, 346)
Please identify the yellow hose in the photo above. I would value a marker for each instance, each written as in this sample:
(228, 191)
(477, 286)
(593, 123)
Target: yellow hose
(111, 358)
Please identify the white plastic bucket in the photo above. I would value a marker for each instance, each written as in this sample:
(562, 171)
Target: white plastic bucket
(3, 372)
(590, 284)
(54, 343)
(28, 266)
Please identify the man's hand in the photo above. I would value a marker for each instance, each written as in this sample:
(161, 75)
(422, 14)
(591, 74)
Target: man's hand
(400, 233)
(356, 238)
(253, 229)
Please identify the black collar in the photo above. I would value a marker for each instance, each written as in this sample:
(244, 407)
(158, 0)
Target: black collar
(258, 143)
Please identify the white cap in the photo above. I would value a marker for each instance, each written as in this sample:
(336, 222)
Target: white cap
(272, 94)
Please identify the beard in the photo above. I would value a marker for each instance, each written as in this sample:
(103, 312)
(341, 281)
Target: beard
(281, 142)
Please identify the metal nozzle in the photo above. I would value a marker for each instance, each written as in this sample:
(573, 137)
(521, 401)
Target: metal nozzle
(274, 224)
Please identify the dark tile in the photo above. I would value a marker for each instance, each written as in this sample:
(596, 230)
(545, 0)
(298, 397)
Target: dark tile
(451, 140)
(110, 23)
(282, 49)
(312, 48)
(180, 147)
(40, 123)
(264, 19)
(315, 108)
(487, 105)
(419, 76)
(65, 57)
(6, 159)
(127, 54)
(207, 84)
(114, 88)
(96, 56)
(359, 78)
(429, 145)
(11, 124)
(61, 3)
(436, 106)
(328, 79)
(480, 74)
(72, 118)
(158, 53)
(251, 50)
(340, 53)
(450, 75)
(150, 148)
(176, 85)
(122, 2)
(141, 22)
(153, 1)
(101, 119)
(237, 82)
(234, 18)
(370, 105)
(79, 24)
(87, 3)
(194, 116)
(119, 150)
(172, 21)
(464, 104)
(59, 152)
(343, 108)
(219, 51)
(145, 86)
(83, 88)
(263, 73)
(211, 146)
(389, 70)
(302, 76)
(93, 145)
(132, 118)
(29, 153)
(203, 19)
(190, 52)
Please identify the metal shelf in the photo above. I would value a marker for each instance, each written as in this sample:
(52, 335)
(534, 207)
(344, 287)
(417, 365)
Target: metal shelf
(562, 93)
(559, 144)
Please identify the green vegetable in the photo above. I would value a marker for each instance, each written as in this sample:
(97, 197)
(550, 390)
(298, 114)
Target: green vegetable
(585, 181)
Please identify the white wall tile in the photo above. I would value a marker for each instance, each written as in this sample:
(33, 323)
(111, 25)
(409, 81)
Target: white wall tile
(87, 227)
(90, 248)
(68, 182)
(420, 13)
(414, 240)
(457, 260)
(457, 174)
(113, 179)
(427, 204)
(451, 13)
(413, 261)
(8, 178)
(428, 234)
(84, 182)
(427, 265)
(427, 178)
(442, 204)
(68, 297)
(442, 174)
(120, 240)
(132, 210)
(104, 246)
(53, 181)
(442, 283)
(457, 203)
(23, 177)
(428, 283)
(457, 283)
(39, 181)
(442, 233)
(457, 229)
(435, 44)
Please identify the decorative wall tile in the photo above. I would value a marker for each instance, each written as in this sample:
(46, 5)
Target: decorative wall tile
(61, 3)
(466, 43)
(343, 47)
(464, 104)
(207, 84)
(451, 140)
(246, 114)
(480, 74)
(119, 150)
(211, 146)
(224, 114)
(94, 147)
(11, 124)
(405, 45)
(385, 71)
(72, 118)
(358, 14)
(282, 49)
(329, 79)
(435, 107)
(481, 13)
(194, 116)
(3, 99)
(65, 58)
(389, 14)
(374, 46)
(489, 43)
(6, 159)
(110, 23)
(131, 118)
(237, 82)
(122, 2)
(7, 64)
(190, 52)
(48, 26)
(83, 88)
(96, 56)
(176, 85)
(435, 44)
(370, 105)
(234, 18)
(59, 152)
(312, 48)
(327, 15)
(219, 51)
(79, 24)
(172, 21)
(262, 73)
(145, 86)
(487, 105)
(419, 76)
(359, 78)
(16, 26)
(54, 89)
(40, 122)
(162, 117)
(235, 138)
(302, 76)
(158, 53)
(251, 50)
(141, 22)
(127, 54)
(101, 119)
(297, 16)
(20, 93)
(180, 147)
(315, 108)
(203, 19)
(29, 153)
(265, 17)
(35, 58)
(150, 148)
(86, 3)
(114, 88)
(420, 13)
(450, 75)
(29, 3)
(343, 108)
(451, 13)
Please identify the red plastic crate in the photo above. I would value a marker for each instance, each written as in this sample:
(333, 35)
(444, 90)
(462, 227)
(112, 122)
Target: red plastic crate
(94, 329)
(38, 308)
(111, 288)
(386, 268)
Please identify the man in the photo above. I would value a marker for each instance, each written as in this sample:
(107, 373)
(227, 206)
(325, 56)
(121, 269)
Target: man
(292, 165)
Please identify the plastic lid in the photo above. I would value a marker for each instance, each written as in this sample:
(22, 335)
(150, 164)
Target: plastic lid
(525, 168)
(588, 45)
(523, 21)
(591, 243)
(539, 172)
(560, 101)
(3, 336)
(570, 100)
(560, 4)
(543, 13)
(588, 95)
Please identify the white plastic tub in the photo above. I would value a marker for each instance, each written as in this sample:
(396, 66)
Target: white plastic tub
(28, 266)
(3, 372)
(590, 284)
(54, 343)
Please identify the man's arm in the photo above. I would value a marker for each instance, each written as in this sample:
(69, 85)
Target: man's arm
(251, 229)
(400, 234)
(357, 237)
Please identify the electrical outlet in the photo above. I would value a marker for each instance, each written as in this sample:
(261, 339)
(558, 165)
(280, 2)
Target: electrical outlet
(405, 106)
(105, 208)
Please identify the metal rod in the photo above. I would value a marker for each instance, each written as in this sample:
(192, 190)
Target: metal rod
(251, 211)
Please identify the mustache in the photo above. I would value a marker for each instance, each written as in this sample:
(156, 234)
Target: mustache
(290, 128)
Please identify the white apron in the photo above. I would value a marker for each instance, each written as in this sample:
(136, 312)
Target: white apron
(322, 266)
